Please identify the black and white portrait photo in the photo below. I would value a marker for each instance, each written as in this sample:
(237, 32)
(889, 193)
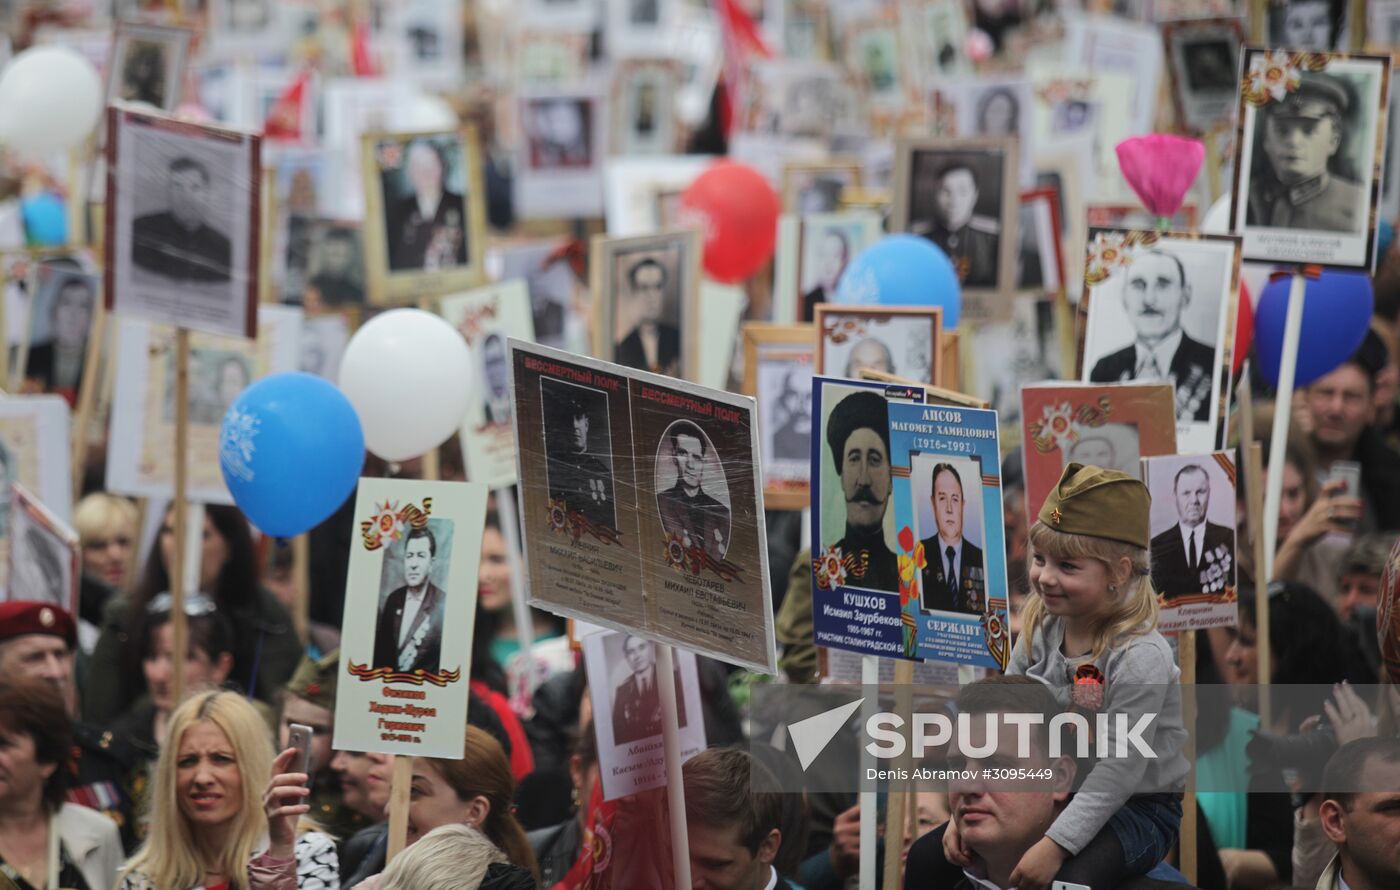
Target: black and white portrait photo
(559, 132)
(425, 216)
(551, 284)
(1195, 553)
(1308, 24)
(899, 341)
(947, 494)
(578, 448)
(183, 244)
(335, 265)
(1113, 446)
(148, 64)
(652, 279)
(826, 245)
(408, 632)
(636, 703)
(1309, 159)
(217, 377)
(785, 405)
(60, 320)
(963, 199)
(643, 115)
(1204, 57)
(692, 496)
(1160, 316)
(43, 553)
(997, 110)
(810, 188)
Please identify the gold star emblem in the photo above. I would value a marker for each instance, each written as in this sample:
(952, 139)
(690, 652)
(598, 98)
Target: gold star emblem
(1056, 516)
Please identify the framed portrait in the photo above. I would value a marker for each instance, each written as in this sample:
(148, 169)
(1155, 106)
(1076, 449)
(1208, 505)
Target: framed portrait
(564, 136)
(1319, 25)
(645, 317)
(246, 28)
(44, 553)
(802, 28)
(641, 491)
(413, 567)
(637, 27)
(183, 214)
(1160, 307)
(1068, 174)
(1110, 426)
(778, 365)
(1104, 44)
(937, 32)
(1040, 261)
(874, 51)
(1084, 112)
(1203, 56)
(816, 186)
(350, 108)
(425, 213)
(904, 341)
(428, 34)
(487, 317)
(555, 315)
(643, 110)
(335, 275)
(323, 341)
(993, 107)
(140, 453)
(1316, 205)
(147, 64)
(67, 297)
(35, 444)
(801, 99)
(629, 722)
(297, 184)
(639, 192)
(1382, 26)
(977, 227)
(1192, 523)
(813, 252)
(1004, 356)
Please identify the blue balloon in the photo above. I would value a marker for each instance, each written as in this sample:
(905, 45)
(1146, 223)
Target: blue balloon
(291, 450)
(45, 220)
(1336, 316)
(902, 270)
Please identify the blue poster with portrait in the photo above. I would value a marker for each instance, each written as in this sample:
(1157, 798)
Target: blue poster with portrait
(947, 506)
(856, 575)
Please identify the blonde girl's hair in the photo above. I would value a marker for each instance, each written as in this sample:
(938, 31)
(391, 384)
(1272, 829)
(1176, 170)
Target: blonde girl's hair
(1132, 609)
(169, 859)
(450, 857)
(102, 515)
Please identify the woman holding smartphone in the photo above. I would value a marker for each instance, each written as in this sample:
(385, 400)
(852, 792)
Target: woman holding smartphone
(225, 813)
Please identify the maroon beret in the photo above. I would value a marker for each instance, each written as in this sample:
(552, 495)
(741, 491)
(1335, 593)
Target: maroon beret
(20, 617)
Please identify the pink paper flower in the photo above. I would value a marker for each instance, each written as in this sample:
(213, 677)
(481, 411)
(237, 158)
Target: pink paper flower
(1160, 168)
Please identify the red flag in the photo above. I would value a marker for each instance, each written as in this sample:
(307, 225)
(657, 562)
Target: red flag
(285, 117)
(742, 42)
(626, 845)
(361, 59)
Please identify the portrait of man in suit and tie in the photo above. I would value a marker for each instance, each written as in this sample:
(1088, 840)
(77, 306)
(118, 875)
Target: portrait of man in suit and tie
(497, 404)
(1156, 293)
(1194, 555)
(636, 711)
(425, 220)
(954, 579)
(408, 634)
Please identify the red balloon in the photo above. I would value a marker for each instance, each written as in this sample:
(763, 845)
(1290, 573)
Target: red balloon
(738, 211)
(1244, 327)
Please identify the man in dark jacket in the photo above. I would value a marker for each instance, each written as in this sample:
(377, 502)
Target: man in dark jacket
(409, 634)
(1184, 556)
(733, 829)
(179, 243)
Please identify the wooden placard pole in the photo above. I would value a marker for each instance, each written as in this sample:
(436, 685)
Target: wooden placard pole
(87, 393)
(1186, 653)
(301, 582)
(897, 803)
(675, 787)
(1283, 410)
(869, 800)
(524, 623)
(178, 628)
(400, 784)
(1262, 648)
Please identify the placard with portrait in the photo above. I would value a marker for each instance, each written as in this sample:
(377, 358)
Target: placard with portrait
(645, 310)
(813, 252)
(35, 445)
(899, 340)
(44, 555)
(1192, 523)
(778, 367)
(425, 213)
(1203, 56)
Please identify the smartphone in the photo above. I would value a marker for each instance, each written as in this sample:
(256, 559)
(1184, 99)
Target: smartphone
(299, 737)
(1066, 885)
(1349, 471)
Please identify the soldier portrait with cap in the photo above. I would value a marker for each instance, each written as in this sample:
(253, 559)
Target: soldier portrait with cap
(858, 438)
(575, 428)
(945, 194)
(1300, 176)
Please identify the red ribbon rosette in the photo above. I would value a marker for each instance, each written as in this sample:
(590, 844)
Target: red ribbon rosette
(1088, 687)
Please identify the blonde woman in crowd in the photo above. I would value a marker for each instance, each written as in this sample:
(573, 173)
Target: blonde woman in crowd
(225, 814)
(107, 529)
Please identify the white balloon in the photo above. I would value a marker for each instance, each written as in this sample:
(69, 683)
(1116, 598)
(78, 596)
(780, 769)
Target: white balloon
(1217, 221)
(50, 99)
(408, 374)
